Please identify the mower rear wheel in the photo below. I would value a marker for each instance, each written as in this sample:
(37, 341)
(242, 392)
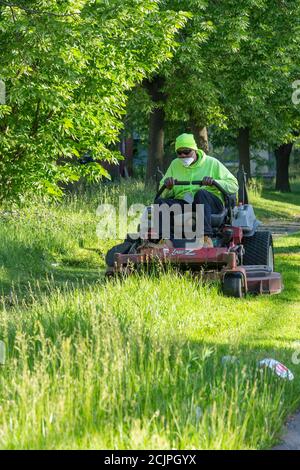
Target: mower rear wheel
(122, 248)
(233, 285)
(259, 250)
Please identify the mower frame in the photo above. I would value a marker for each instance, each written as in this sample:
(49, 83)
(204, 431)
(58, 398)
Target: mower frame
(218, 263)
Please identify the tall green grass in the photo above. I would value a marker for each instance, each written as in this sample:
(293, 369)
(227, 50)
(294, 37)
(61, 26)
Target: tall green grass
(134, 362)
(104, 368)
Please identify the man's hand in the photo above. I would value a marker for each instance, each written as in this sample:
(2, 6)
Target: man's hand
(169, 183)
(208, 181)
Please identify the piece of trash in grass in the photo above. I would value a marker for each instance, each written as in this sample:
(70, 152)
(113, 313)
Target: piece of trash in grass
(279, 369)
(199, 413)
(54, 265)
(229, 360)
(2, 353)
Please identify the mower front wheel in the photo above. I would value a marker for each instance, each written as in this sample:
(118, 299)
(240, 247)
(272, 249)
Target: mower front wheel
(122, 248)
(233, 285)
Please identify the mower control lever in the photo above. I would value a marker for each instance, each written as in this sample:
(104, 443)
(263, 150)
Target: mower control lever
(200, 183)
(188, 183)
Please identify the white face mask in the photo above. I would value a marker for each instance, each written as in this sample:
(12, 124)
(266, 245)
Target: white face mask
(187, 161)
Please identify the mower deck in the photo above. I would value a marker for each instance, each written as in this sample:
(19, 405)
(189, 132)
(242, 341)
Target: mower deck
(215, 263)
(261, 280)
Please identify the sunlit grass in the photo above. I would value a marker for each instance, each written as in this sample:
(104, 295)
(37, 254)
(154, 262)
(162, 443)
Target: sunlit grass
(270, 204)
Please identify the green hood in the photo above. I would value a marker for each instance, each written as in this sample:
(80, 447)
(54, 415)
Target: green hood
(186, 141)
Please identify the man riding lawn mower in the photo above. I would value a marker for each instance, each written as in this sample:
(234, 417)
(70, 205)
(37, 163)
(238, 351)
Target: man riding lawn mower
(231, 249)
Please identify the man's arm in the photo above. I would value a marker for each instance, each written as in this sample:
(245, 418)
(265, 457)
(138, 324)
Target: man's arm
(168, 193)
(225, 178)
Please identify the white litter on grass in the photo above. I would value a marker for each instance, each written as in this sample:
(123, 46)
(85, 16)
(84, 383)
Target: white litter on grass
(199, 413)
(279, 369)
(2, 353)
(54, 265)
(229, 360)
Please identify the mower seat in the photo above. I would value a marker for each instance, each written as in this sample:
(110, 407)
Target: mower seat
(218, 219)
(189, 219)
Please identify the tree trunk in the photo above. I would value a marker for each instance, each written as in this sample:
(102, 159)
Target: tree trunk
(282, 154)
(243, 143)
(126, 149)
(129, 155)
(156, 143)
(201, 136)
(156, 128)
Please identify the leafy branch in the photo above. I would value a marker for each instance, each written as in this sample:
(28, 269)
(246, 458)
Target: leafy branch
(36, 12)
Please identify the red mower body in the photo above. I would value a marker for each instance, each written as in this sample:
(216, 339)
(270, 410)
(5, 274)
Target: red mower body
(242, 260)
(214, 263)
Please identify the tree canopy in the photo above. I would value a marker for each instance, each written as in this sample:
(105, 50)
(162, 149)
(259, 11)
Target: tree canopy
(67, 67)
(233, 70)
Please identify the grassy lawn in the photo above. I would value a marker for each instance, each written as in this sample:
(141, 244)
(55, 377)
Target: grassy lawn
(279, 206)
(136, 363)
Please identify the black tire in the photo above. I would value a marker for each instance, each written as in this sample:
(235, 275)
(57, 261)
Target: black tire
(233, 285)
(259, 249)
(130, 239)
(122, 248)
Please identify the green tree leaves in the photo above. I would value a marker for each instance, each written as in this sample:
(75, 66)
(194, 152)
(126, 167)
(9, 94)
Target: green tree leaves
(68, 67)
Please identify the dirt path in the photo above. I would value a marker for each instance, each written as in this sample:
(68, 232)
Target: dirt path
(280, 228)
(291, 438)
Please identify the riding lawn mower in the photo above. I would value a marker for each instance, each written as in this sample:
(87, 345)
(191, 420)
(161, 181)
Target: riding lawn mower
(242, 256)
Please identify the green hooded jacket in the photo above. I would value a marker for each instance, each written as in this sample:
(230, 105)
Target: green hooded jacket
(204, 166)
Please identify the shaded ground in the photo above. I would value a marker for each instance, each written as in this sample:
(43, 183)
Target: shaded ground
(291, 438)
(279, 228)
